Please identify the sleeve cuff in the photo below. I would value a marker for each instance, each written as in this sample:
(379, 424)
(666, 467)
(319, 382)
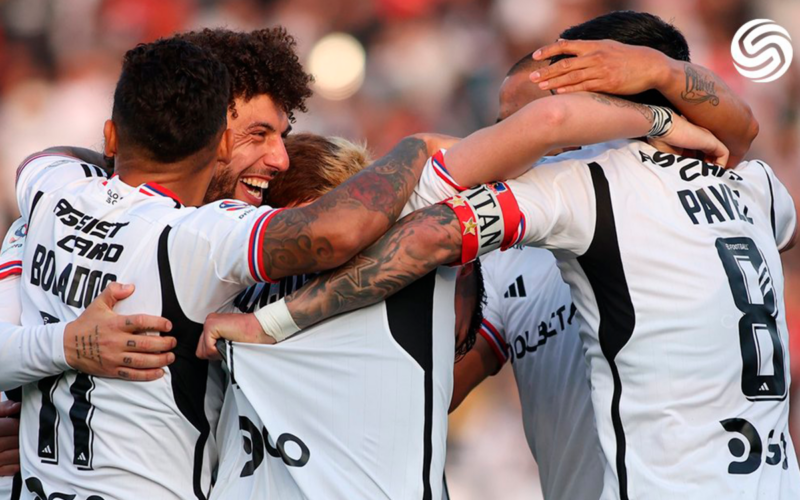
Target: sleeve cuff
(56, 332)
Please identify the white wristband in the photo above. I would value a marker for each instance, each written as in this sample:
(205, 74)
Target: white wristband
(276, 320)
(662, 121)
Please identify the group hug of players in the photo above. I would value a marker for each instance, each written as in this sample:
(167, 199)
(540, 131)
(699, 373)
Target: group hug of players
(216, 308)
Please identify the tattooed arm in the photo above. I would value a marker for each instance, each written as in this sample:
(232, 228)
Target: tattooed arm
(330, 231)
(412, 248)
(615, 68)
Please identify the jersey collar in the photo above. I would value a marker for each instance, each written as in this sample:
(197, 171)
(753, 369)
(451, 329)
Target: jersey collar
(148, 189)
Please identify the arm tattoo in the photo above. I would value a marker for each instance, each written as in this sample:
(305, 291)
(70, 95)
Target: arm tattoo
(623, 103)
(297, 240)
(699, 88)
(411, 249)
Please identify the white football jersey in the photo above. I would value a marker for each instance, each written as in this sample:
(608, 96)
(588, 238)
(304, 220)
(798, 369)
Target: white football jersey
(355, 407)
(529, 319)
(674, 268)
(10, 309)
(106, 438)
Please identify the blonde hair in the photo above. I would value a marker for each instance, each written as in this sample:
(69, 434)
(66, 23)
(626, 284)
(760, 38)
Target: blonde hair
(317, 164)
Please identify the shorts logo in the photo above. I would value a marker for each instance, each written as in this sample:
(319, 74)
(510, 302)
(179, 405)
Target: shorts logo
(232, 206)
(762, 50)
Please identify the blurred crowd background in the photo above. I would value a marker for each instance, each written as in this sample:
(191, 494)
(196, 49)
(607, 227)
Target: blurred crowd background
(384, 69)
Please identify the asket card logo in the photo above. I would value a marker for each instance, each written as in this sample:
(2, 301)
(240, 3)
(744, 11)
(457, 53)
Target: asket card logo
(762, 50)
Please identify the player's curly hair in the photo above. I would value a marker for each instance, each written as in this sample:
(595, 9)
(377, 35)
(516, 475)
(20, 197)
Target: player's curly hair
(477, 315)
(170, 100)
(260, 62)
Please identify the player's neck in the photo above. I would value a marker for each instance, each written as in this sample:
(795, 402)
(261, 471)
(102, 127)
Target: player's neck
(189, 186)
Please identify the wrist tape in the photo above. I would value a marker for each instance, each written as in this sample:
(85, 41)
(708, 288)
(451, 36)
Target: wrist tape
(489, 217)
(277, 321)
(662, 121)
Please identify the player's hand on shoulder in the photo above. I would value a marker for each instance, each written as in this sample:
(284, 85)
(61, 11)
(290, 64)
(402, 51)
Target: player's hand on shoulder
(9, 438)
(688, 136)
(106, 344)
(236, 327)
(600, 66)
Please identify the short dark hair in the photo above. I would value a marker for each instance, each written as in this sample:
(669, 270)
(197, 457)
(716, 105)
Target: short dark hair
(634, 28)
(261, 62)
(477, 315)
(170, 101)
(522, 64)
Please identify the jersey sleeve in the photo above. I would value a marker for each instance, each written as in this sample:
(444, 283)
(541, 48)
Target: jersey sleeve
(46, 172)
(493, 328)
(435, 185)
(783, 215)
(215, 252)
(11, 251)
(557, 206)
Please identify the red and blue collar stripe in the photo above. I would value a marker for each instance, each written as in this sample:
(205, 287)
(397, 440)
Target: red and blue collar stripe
(153, 189)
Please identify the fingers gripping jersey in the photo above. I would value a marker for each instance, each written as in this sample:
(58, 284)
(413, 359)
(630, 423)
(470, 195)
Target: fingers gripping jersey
(674, 268)
(105, 438)
(529, 319)
(355, 407)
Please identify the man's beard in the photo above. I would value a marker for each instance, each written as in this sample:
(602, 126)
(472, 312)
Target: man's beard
(222, 186)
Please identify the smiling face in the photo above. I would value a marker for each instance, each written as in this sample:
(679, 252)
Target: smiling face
(259, 128)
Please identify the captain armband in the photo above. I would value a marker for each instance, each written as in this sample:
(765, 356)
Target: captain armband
(489, 217)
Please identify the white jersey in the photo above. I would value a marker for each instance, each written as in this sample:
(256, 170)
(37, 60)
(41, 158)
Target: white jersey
(674, 268)
(10, 310)
(529, 319)
(355, 407)
(106, 438)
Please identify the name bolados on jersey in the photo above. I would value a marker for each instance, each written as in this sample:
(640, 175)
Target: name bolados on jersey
(674, 268)
(95, 438)
(85, 437)
(530, 320)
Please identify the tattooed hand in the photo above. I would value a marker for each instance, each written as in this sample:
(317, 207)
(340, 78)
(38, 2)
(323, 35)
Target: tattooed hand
(328, 232)
(103, 343)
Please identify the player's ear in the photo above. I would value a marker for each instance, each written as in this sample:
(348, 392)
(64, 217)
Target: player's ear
(225, 148)
(110, 136)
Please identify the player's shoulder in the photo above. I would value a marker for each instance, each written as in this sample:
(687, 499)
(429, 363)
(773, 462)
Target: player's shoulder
(502, 266)
(12, 249)
(69, 167)
(221, 216)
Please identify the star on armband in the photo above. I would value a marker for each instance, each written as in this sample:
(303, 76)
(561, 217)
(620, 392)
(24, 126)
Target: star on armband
(489, 217)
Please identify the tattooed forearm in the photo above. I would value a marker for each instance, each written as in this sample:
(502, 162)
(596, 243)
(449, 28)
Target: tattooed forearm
(411, 249)
(699, 88)
(331, 230)
(623, 103)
